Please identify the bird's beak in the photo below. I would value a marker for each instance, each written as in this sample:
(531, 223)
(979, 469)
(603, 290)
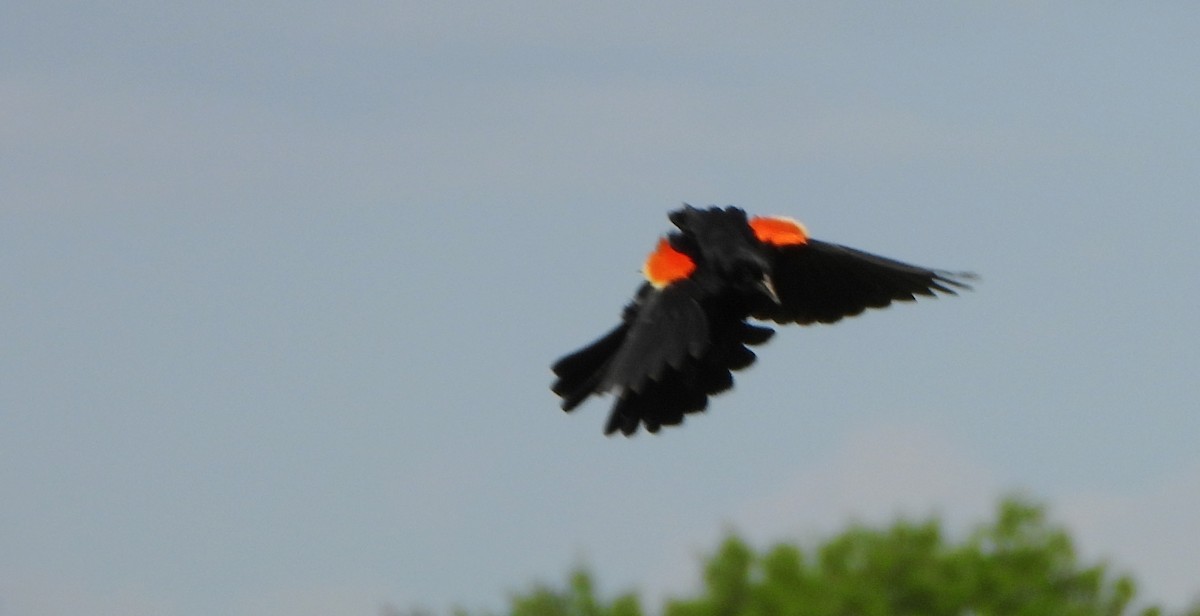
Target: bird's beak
(768, 287)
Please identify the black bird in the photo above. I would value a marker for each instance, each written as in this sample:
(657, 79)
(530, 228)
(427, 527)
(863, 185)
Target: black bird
(687, 328)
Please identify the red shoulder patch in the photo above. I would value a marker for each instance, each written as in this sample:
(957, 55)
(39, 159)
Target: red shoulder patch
(779, 230)
(666, 265)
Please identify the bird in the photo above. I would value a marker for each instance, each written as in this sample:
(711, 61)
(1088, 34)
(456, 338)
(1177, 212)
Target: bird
(712, 287)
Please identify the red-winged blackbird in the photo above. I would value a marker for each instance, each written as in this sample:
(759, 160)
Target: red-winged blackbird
(687, 327)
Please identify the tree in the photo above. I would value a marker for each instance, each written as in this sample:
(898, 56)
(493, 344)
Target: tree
(1016, 565)
(578, 599)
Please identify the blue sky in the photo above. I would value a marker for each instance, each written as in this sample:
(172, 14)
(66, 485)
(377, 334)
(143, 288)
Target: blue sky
(282, 284)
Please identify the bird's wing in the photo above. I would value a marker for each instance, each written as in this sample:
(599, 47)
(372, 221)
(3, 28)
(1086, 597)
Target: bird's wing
(661, 329)
(662, 362)
(686, 389)
(668, 328)
(819, 282)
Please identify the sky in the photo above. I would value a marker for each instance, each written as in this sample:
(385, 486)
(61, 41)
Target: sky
(282, 283)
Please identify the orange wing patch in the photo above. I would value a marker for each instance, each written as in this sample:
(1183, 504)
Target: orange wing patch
(666, 265)
(779, 230)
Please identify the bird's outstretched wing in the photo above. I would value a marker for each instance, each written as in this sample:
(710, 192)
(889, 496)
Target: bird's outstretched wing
(820, 282)
(668, 355)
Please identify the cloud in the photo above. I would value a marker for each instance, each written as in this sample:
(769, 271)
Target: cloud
(879, 473)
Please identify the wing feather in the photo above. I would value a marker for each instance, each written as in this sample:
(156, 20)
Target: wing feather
(819, 282)
(687, 389)
(673, 350)
(668, 329)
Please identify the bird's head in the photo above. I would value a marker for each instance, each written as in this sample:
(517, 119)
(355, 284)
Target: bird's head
(726, 242)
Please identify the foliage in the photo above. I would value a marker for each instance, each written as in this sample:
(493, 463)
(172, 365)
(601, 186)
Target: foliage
(1017, 565)
(578, 599)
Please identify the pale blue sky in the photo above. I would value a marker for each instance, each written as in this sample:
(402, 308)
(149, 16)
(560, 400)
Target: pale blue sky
(282, 282)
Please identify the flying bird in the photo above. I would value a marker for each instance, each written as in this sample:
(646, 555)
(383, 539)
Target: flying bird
(689, 325)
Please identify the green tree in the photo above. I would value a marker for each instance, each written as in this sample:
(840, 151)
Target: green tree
(577, 599)
(1018, 564)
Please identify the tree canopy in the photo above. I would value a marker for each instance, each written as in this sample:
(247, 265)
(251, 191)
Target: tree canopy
(1017, 564)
